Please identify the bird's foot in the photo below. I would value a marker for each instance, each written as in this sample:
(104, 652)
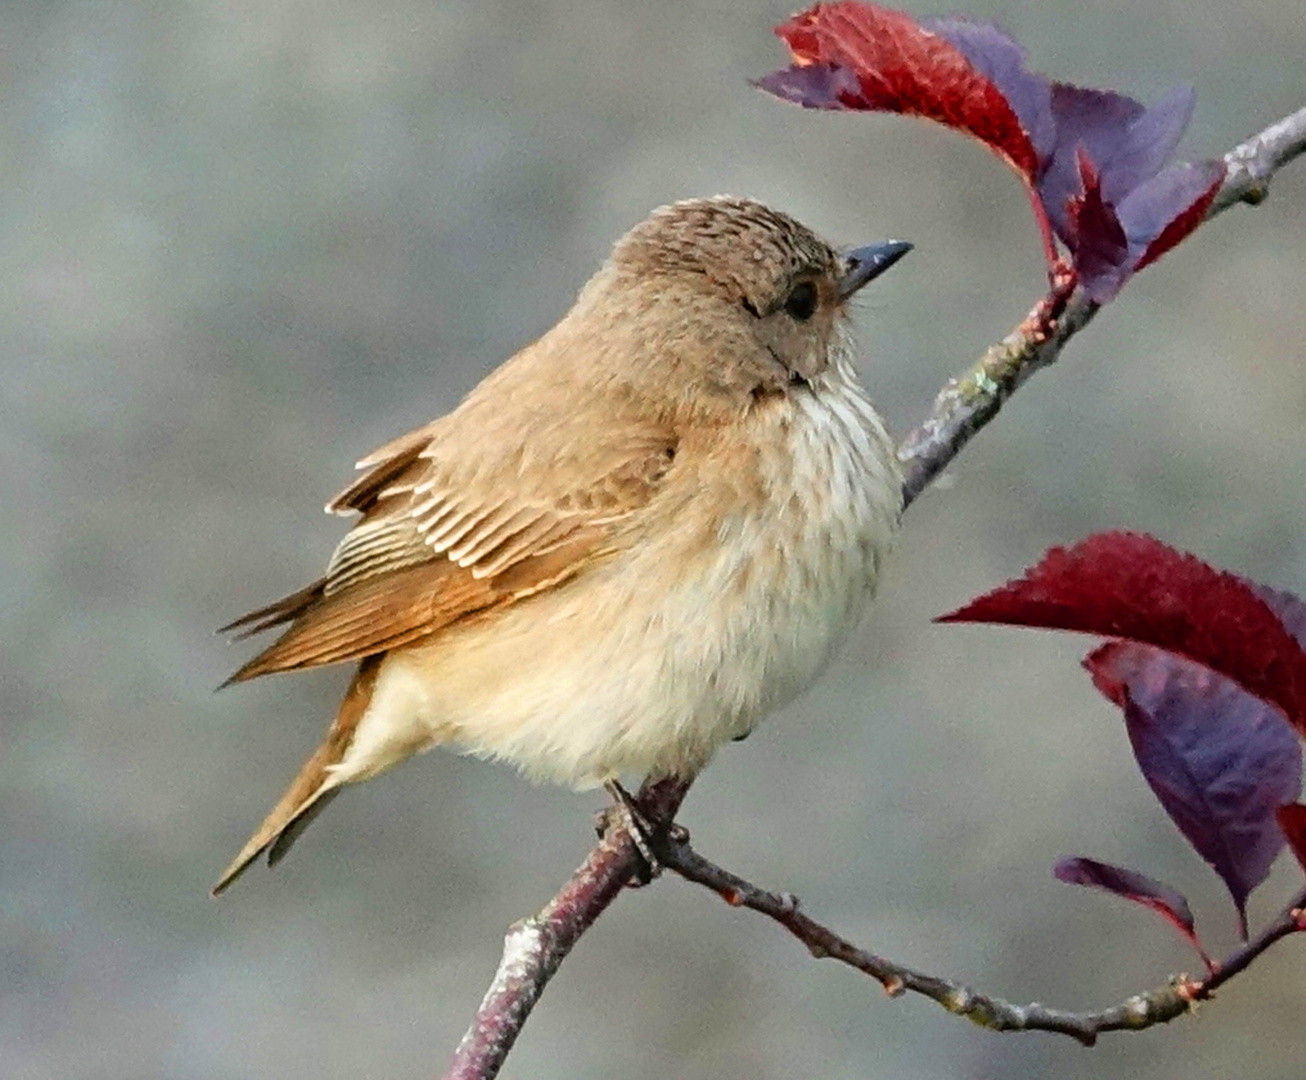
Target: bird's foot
(625, 811)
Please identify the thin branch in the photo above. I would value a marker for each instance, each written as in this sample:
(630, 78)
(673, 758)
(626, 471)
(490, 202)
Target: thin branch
(532, 952)
(1157, 1006)
(535, 947)
(969, 402)
(1250, 165)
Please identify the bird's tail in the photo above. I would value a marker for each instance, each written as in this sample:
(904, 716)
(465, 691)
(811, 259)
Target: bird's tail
(315, 786)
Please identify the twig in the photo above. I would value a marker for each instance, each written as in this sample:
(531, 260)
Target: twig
(1250, 165)
(532, 952)
(535, 947)
(969, 402)
(1157, 1006)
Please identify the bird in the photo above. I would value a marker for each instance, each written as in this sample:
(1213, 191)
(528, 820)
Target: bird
(627, 544)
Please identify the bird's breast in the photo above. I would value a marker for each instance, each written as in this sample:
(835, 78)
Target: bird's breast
(795, 563)
(728, 600)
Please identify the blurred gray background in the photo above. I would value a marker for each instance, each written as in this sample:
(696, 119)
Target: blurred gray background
(244, 243)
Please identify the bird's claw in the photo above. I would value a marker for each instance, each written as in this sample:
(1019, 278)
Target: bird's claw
(625, 812)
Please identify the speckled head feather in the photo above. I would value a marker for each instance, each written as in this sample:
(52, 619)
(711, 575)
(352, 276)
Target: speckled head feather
(705, 308)
(742, 246)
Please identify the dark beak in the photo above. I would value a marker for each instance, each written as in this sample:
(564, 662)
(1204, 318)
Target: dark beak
(867, 263)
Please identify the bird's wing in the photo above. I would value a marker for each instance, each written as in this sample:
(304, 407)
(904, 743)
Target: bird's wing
(452, 526)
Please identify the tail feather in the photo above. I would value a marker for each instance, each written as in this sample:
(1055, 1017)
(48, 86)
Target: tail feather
(302, 820)
(315, 786)
(286, 610)
(278, 832)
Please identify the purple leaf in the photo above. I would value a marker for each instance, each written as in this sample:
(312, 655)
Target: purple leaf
(1143, 148)
(1139, 888)
(1220, 761)
(1160, 212)
(817, 86)
(1127, 143)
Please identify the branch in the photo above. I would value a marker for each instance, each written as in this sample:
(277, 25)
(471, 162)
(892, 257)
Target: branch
(1158, 1006)
(532, 952)
(535, 947)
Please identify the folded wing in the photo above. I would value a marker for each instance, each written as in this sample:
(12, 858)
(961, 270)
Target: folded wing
(446, 533)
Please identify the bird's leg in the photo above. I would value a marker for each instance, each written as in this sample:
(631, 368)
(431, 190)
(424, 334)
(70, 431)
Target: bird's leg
(626, 811)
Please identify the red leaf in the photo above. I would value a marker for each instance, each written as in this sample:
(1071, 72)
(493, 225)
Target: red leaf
(1220, 761)
(1096, 236)
(1141, 889)
(903, 67)
(1292, 820)
(1125, 585)
(972, 77)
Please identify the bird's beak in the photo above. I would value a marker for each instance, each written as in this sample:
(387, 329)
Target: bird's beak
(867, 263)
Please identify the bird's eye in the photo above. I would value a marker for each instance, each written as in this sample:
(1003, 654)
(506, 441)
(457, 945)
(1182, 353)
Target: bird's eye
(801, 303)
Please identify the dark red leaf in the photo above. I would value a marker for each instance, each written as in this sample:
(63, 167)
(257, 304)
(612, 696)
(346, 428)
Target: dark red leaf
(1126, 585)
(903, 67)
(1002, 61)
(972, 77)
(1290, 609)
(1096, 237)
(1134, 886)
(1220, 761)
(1292, 820)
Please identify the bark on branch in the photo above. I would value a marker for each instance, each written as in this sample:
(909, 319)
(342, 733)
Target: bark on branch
(536, 946)
(1143, 1010)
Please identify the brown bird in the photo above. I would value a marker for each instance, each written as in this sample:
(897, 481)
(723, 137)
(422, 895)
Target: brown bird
(628, 543)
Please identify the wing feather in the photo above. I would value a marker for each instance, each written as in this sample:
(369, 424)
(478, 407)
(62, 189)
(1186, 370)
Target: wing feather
(441, 539)
(384, 465)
